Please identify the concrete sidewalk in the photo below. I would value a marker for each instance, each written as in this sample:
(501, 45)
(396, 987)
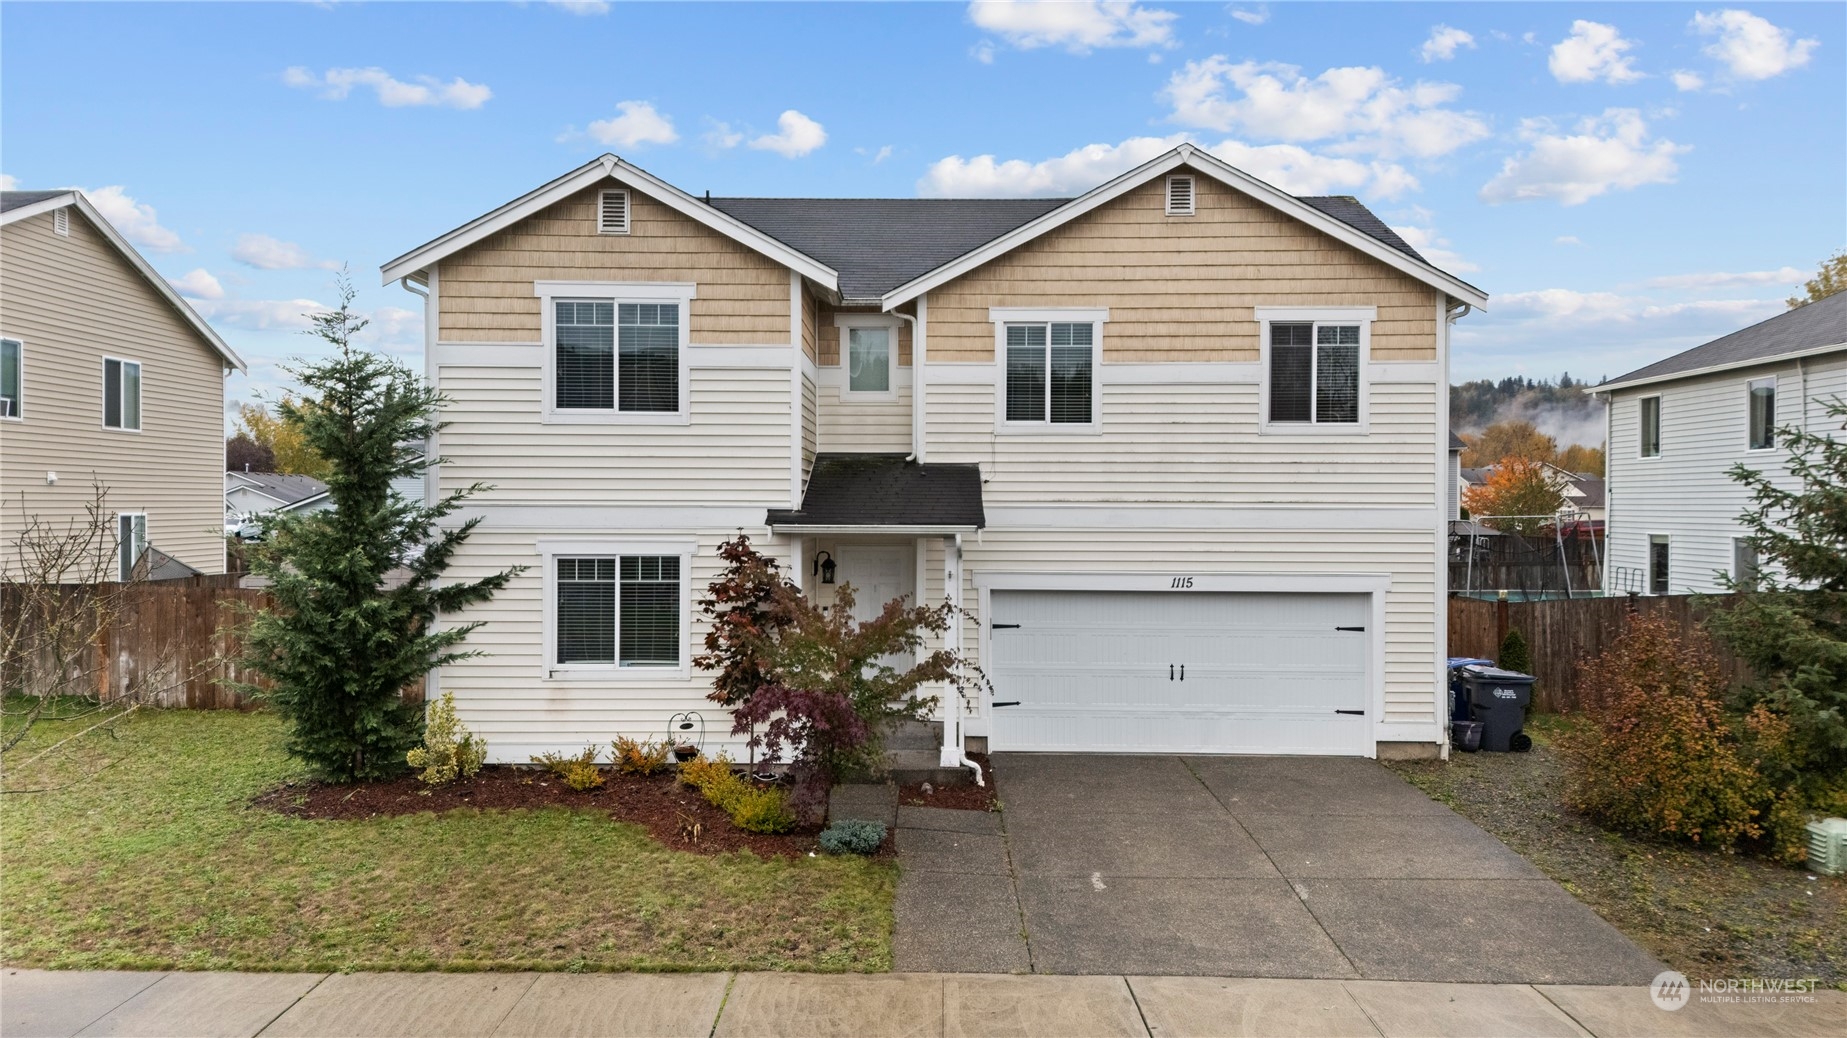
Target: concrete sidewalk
(35, 1003)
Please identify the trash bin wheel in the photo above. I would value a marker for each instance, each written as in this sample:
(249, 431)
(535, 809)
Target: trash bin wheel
(1519, 742)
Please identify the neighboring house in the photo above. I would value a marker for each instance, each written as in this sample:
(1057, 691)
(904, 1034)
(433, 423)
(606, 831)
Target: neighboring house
(247, 494)
(1677, 426)
(1579, 492)
(1456, 447)
(1178, 448)
(107, 377)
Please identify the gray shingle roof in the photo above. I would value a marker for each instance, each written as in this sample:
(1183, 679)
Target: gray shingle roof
(10, 200)
(1822, 323)
(877, 244)
(886, 490)
(289, 489)
(1456, 442)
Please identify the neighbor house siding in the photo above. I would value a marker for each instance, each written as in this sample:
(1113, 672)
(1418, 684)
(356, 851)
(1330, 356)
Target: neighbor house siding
(73, 301)
(1686, 493)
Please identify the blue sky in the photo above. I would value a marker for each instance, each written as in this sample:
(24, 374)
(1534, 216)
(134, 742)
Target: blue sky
(1625, 180)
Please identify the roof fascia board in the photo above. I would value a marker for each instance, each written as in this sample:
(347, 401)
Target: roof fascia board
(1713, 369)
(584, 176)
(136, 260)
(918, 531)
(1224, 173)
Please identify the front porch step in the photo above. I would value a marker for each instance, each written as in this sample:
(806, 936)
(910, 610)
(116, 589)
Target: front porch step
(912, 766)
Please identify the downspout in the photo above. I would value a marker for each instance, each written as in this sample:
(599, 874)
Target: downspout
(953, 753)
(917, 385)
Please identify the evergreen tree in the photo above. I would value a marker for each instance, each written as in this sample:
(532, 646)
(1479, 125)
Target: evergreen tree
(1790, 620)
(1514, 654)
(341, 644)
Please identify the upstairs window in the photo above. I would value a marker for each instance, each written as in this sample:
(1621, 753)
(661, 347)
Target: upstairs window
(121, 394)
(11, 377)
(621, 610)
(1658, 564)
(1762, 402)
(1050, 373)
(1314, 374)
(612, 356)
(1651, 426)
(869, 358)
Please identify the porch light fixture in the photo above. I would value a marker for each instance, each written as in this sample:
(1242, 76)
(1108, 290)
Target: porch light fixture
(824, 565)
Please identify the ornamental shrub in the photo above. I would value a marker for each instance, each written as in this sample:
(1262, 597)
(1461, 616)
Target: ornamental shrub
(1514, 654)
(640, 758)
(579, 772)
(851, 836)
(449, 749)
(761, 809)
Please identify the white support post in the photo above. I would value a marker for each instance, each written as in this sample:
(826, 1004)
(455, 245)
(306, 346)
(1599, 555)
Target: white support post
(952, 642)
(798, 561)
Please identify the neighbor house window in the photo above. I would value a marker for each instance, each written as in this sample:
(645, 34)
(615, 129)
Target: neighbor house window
(10, 377)
(613, 356)
(1651, 427)
(1050, 373)
(622, 610)
(1657, 564)
(1744, 564)
(1762, 394)
(121, 394)
(1314, 374)
(131, 542)
(869, 358)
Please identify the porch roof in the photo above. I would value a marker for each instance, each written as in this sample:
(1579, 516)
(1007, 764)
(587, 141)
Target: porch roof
(885, 493)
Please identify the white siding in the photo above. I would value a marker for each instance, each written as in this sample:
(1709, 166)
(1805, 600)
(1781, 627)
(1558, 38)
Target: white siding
(1686, 493)
(855, 425)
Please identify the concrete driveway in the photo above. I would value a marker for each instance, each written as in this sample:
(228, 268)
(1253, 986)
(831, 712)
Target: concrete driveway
(1310, 867)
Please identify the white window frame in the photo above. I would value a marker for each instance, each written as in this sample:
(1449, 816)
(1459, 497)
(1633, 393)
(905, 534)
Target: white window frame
(1001, 317)
(552, 551)
(1641, 427)
(1757, 563)
(122, 563)
(1167, 197)
(1750, 388)
(617, 292)
(140, 395)
(628, 210)
(846, 323)
(1363, 316)
(19, 402)
(1667, 579)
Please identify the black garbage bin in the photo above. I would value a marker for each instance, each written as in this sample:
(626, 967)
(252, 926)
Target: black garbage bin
(1498, 699)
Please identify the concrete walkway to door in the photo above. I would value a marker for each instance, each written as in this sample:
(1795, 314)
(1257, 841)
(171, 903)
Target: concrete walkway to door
(1310, 867)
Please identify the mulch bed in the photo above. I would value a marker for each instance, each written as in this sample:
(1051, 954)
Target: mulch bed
(674, 814)
(969, 797)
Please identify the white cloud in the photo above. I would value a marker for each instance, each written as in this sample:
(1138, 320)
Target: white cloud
(266, 253)
(1287, 166)
(581, 7)
(263, 314)
(797, 136)
(983, 52)
(721, 135)
(1434, 248)
(1723, 279)
(1686, 82)
(1611, 151)
(198, 284)
(1751, 47)
(1593, 51)
(1592, 332)
(337, 83)
(136, 222)
(636, 124)
(1257, 17)
(1362, 104)
(8, 182)
(879, 155)
(1567, 239)
(1443, 43)
(1078, 26)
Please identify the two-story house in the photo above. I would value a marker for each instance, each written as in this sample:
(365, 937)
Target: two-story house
(1178, 448)
(1679, 425)
(107, 378)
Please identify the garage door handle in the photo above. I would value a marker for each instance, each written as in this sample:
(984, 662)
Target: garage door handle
(1004, 627)
(1183, 672)
(1349, 628)
(1170, 672)
(1010, 702)
(1356, 713)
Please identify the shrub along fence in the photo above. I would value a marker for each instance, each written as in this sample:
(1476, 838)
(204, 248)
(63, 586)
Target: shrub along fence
(1564, 632)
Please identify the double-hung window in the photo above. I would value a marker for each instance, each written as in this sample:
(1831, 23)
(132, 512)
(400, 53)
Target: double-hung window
(868, 355)
(617, 351)
(1651, 426)
(131, 542)
(1658, 559)
(617, 610)
(1761, 393)
(1314, 373)
(1048, 373)
(11, 376)
(121, 394)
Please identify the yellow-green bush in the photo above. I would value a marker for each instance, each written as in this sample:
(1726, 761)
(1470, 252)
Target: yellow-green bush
(754, 809)
(579, 772)
(640, 758)
(449, 751)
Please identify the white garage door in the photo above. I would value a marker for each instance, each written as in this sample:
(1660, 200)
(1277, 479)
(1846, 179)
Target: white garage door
(1191, 672)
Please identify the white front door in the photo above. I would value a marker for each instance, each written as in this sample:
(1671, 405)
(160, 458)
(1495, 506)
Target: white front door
(1152, 672)
(878, 573)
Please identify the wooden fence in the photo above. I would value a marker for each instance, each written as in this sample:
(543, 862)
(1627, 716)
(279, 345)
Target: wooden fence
(1562, 633)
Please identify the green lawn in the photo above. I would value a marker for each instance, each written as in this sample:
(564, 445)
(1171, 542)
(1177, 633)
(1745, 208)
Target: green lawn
(148, 855)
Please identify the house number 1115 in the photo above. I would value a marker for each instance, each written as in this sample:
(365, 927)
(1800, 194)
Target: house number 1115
(1180, 584)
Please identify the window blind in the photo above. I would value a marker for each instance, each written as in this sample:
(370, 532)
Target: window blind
(586, 358)
(650, 609)
(1291, 372)
(586, 615)
(1026, 374)
(648, 377)
(1337, 373)
(1070, 385)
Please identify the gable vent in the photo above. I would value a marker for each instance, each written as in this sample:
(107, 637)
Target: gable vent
(1180, 196)
(61, 222)
(612, 213)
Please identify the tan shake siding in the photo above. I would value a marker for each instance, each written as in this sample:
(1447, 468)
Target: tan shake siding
(858, 424)
(486, 289)
(830, 336)
(810, 345)
(1183, 288)
(72, 301)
